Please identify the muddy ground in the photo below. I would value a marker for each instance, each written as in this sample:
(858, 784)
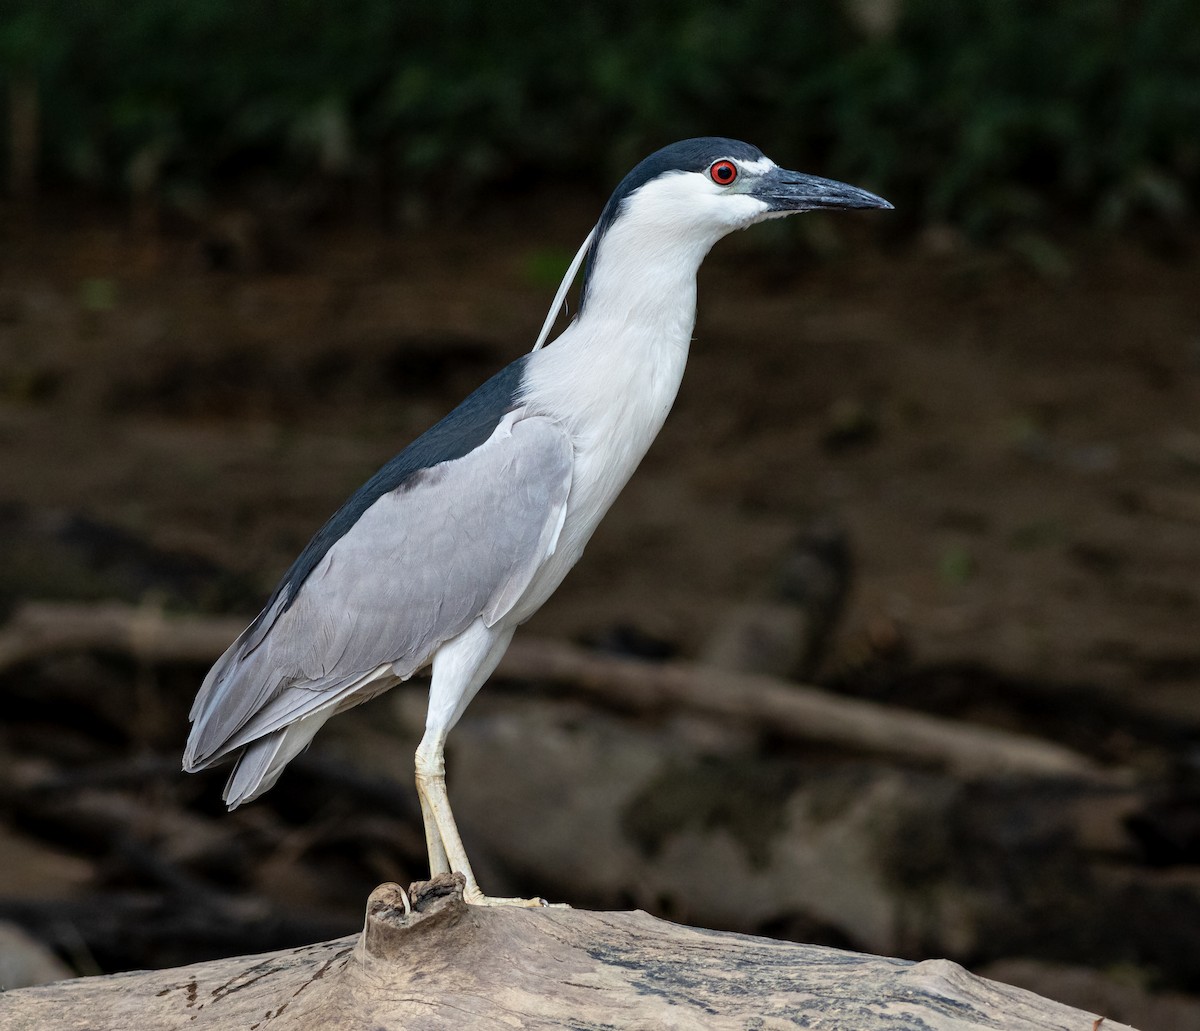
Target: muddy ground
(1009, 445)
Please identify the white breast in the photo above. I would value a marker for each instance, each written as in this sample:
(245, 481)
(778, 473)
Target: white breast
(613, 401)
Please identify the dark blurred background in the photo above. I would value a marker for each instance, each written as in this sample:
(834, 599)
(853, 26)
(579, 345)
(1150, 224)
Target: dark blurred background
(945, 459)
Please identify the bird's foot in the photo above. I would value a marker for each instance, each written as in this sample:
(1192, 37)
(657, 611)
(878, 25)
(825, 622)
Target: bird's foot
(474, 897)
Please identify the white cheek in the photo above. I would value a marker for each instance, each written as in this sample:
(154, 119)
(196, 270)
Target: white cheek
(739, 210)
(689, 204)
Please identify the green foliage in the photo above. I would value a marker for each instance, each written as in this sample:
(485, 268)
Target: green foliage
(98, 294)
(988, 113)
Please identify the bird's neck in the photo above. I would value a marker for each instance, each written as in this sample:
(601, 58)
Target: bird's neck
(635, 325)
(643, 279)
(614, 373)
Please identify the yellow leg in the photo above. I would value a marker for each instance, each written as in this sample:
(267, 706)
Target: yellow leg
(438, 861)
(459, 670)
(446, 851)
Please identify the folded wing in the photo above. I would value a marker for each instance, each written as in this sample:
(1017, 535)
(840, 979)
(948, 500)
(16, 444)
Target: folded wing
(453, 542)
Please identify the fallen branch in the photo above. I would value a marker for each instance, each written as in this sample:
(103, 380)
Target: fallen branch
(793, 710)
(448, 965)
(750, 700)
(38, 629)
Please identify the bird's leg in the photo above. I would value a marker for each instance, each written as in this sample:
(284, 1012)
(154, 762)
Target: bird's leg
(438, 861)
(446, 851)
(460, 668)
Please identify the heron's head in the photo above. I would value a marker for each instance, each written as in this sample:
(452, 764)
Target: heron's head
(690, 194)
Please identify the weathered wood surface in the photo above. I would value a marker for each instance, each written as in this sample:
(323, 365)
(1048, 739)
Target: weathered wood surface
(447, 965)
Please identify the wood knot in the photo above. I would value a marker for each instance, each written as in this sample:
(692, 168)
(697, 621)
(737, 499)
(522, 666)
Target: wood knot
(394, 915)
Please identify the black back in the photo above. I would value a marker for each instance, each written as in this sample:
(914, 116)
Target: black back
(456, 435)
(685, 156)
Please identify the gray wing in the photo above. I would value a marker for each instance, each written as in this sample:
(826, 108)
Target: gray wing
(455, 541)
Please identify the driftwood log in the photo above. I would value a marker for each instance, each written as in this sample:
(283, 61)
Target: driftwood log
(751, 700)
(434, 962)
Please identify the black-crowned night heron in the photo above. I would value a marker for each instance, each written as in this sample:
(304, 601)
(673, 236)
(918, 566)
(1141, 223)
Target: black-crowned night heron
(461, 537)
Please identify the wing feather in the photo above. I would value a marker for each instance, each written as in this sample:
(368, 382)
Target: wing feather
(453, 542)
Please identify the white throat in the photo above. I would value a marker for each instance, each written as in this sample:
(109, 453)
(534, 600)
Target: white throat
(618, 366)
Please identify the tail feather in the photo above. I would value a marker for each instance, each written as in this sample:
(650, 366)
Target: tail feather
(217, 707)
(262, 761)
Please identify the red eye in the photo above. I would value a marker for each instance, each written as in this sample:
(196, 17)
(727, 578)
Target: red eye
(723, 173)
